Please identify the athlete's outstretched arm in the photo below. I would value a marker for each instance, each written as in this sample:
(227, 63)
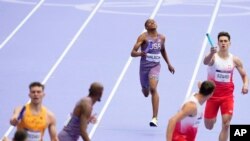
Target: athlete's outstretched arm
(165, 56)
(139, 42)
(243, 74)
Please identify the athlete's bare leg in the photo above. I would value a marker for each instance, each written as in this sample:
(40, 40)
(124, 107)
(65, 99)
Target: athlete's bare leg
(209, 123)
(226, 119)
(155, 96)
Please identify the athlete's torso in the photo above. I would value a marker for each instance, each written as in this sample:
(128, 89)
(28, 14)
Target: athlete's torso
(153, 49)
(72, 127)
(189, 125)
(35, 124)
(221, 72)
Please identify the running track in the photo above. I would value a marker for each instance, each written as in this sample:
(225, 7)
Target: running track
(48, 45)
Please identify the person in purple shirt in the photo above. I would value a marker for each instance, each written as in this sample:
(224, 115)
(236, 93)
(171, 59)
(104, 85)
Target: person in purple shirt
(77, 124)
(152, 47)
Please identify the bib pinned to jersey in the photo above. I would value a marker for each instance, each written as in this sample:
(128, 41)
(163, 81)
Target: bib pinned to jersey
(34, 136)
(153, 57)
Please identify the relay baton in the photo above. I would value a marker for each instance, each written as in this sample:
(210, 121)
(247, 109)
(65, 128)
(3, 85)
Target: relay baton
(20, 116)
(209, 39)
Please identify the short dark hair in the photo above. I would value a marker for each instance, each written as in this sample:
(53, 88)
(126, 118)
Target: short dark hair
(34, 84)
(20, 135)
(94, 88)
(146, 22)
(207, 87)
(223, 33)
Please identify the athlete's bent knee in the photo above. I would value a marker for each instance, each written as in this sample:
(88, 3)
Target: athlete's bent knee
(209, 124)
(153, 90)
(226, 124)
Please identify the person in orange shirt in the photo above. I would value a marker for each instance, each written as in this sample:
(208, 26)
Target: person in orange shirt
(34, 117)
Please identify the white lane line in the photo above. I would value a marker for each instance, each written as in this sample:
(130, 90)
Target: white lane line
(199, 61)
(73, 40)
(65, 51)
(21, 24)
(124, 70)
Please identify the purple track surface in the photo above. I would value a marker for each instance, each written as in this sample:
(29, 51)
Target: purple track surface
(100, 53)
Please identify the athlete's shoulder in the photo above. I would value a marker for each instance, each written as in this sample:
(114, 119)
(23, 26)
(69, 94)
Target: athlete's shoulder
(189, 106)
(235, 57)
(85, 103)
(144, 35)
(161, 36)
(237, 61)
(50, 117)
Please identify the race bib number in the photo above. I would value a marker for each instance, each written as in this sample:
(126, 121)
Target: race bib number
(153, 57)
(222, 76)
(34, 136)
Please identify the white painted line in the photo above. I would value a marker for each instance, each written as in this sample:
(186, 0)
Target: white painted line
(201, 55)
(73, 40)
(7, 132)
(65, 51)
(111, 95)
(21, 24)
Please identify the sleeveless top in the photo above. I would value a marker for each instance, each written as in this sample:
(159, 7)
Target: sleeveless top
(153, 49)
(189, 125)
(221, 72)
(35, 125)
(72, 127)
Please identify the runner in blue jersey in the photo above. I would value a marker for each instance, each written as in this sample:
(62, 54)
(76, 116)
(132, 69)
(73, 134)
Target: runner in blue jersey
(152, 47)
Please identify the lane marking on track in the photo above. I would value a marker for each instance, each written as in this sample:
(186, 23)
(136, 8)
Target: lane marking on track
(201, 55)
(21, 24)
